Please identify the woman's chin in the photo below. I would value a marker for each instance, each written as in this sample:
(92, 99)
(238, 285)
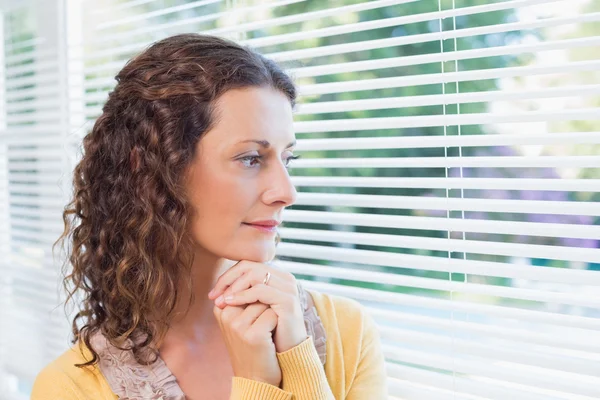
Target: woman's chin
(260, 254)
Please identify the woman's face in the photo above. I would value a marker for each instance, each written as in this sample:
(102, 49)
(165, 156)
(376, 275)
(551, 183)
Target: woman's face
(239, 174)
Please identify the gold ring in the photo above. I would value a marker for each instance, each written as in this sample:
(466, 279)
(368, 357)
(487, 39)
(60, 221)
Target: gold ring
(266, 281)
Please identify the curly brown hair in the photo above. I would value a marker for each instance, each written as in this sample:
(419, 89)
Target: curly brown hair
(127, 222)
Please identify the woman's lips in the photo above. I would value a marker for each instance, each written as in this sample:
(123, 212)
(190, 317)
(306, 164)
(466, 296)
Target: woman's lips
(263, 228)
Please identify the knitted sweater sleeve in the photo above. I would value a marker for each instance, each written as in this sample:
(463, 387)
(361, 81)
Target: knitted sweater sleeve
(302, 373)
(53, 384)
(370, 379)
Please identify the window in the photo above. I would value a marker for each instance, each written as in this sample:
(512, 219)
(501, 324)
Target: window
(450, 178)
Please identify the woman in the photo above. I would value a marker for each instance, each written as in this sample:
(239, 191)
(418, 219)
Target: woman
(185, 170)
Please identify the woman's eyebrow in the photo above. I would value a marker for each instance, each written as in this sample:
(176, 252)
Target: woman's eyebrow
(266, 144)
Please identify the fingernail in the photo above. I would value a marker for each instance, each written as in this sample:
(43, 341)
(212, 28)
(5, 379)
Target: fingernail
(211, 292)
(228, 298)
(219, 299)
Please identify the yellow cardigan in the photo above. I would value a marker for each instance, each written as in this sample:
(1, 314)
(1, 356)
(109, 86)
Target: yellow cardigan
(354, 369)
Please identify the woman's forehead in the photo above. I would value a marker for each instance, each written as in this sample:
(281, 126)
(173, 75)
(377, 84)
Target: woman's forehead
(251, 105)
(260, 115)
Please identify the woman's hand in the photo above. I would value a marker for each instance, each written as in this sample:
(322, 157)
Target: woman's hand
(243, 284)
(247, 333)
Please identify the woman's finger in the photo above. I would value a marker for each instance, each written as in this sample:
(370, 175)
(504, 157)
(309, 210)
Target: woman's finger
(227, 314)
(291, 330)
(266, 322)
(257, 272)
(245, 320)
(246, 281)
(227, 278)
(265, 294)
(252, 353)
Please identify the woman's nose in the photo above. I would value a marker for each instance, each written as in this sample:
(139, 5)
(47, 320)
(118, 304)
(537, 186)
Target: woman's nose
(280, 187)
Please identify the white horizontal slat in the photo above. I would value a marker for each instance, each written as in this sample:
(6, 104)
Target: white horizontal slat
(22, 130)
(517, 250)
(501, 372)
(440, 264)
(45, 53)
(38, 353)
(44, 90)
(448, 265)
(443, 77)
(41, 220)
(33, 117)
(50, 347)
(456, 305)
(423, 142)
(415, 391)
(12, 73)
(560, 338)
(323, 107)
(452, 162)
(37, 179)
(16, 396)
(104, 83)
(383, 278)
(45, 211)
(18, 45)
(153, 14)
(561, 185)
(37, 201)
(38, 299)
(36, 226)
(119, 7)
(580, 363)
(164, 28)
(427, 37)
(36, 303)
(402, 81)
(44, 152)
(41, 78)
(31, 260)
(445, 203)
(30, 238)
(37, 189)
(99, 97)
(389, 22)
(34, 295)
(248, 26)
(32, 105)
(54, 164)
(39, 289)
(498, 351)
(583, 185)
(456, 384)
(32, 138)
(404, 61)
(359, 124)
(446, 224)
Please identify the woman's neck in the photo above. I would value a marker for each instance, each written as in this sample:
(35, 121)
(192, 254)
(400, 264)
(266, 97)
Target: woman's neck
(194, 323)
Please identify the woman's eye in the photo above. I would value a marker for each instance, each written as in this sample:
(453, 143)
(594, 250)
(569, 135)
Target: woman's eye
(289, 159)
(251, 161)
(247, 159)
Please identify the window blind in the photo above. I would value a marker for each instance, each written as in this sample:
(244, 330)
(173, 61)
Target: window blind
(450, 176)
(34, 115)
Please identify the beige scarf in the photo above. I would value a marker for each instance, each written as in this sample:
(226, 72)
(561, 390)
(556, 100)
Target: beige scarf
(132, 381)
